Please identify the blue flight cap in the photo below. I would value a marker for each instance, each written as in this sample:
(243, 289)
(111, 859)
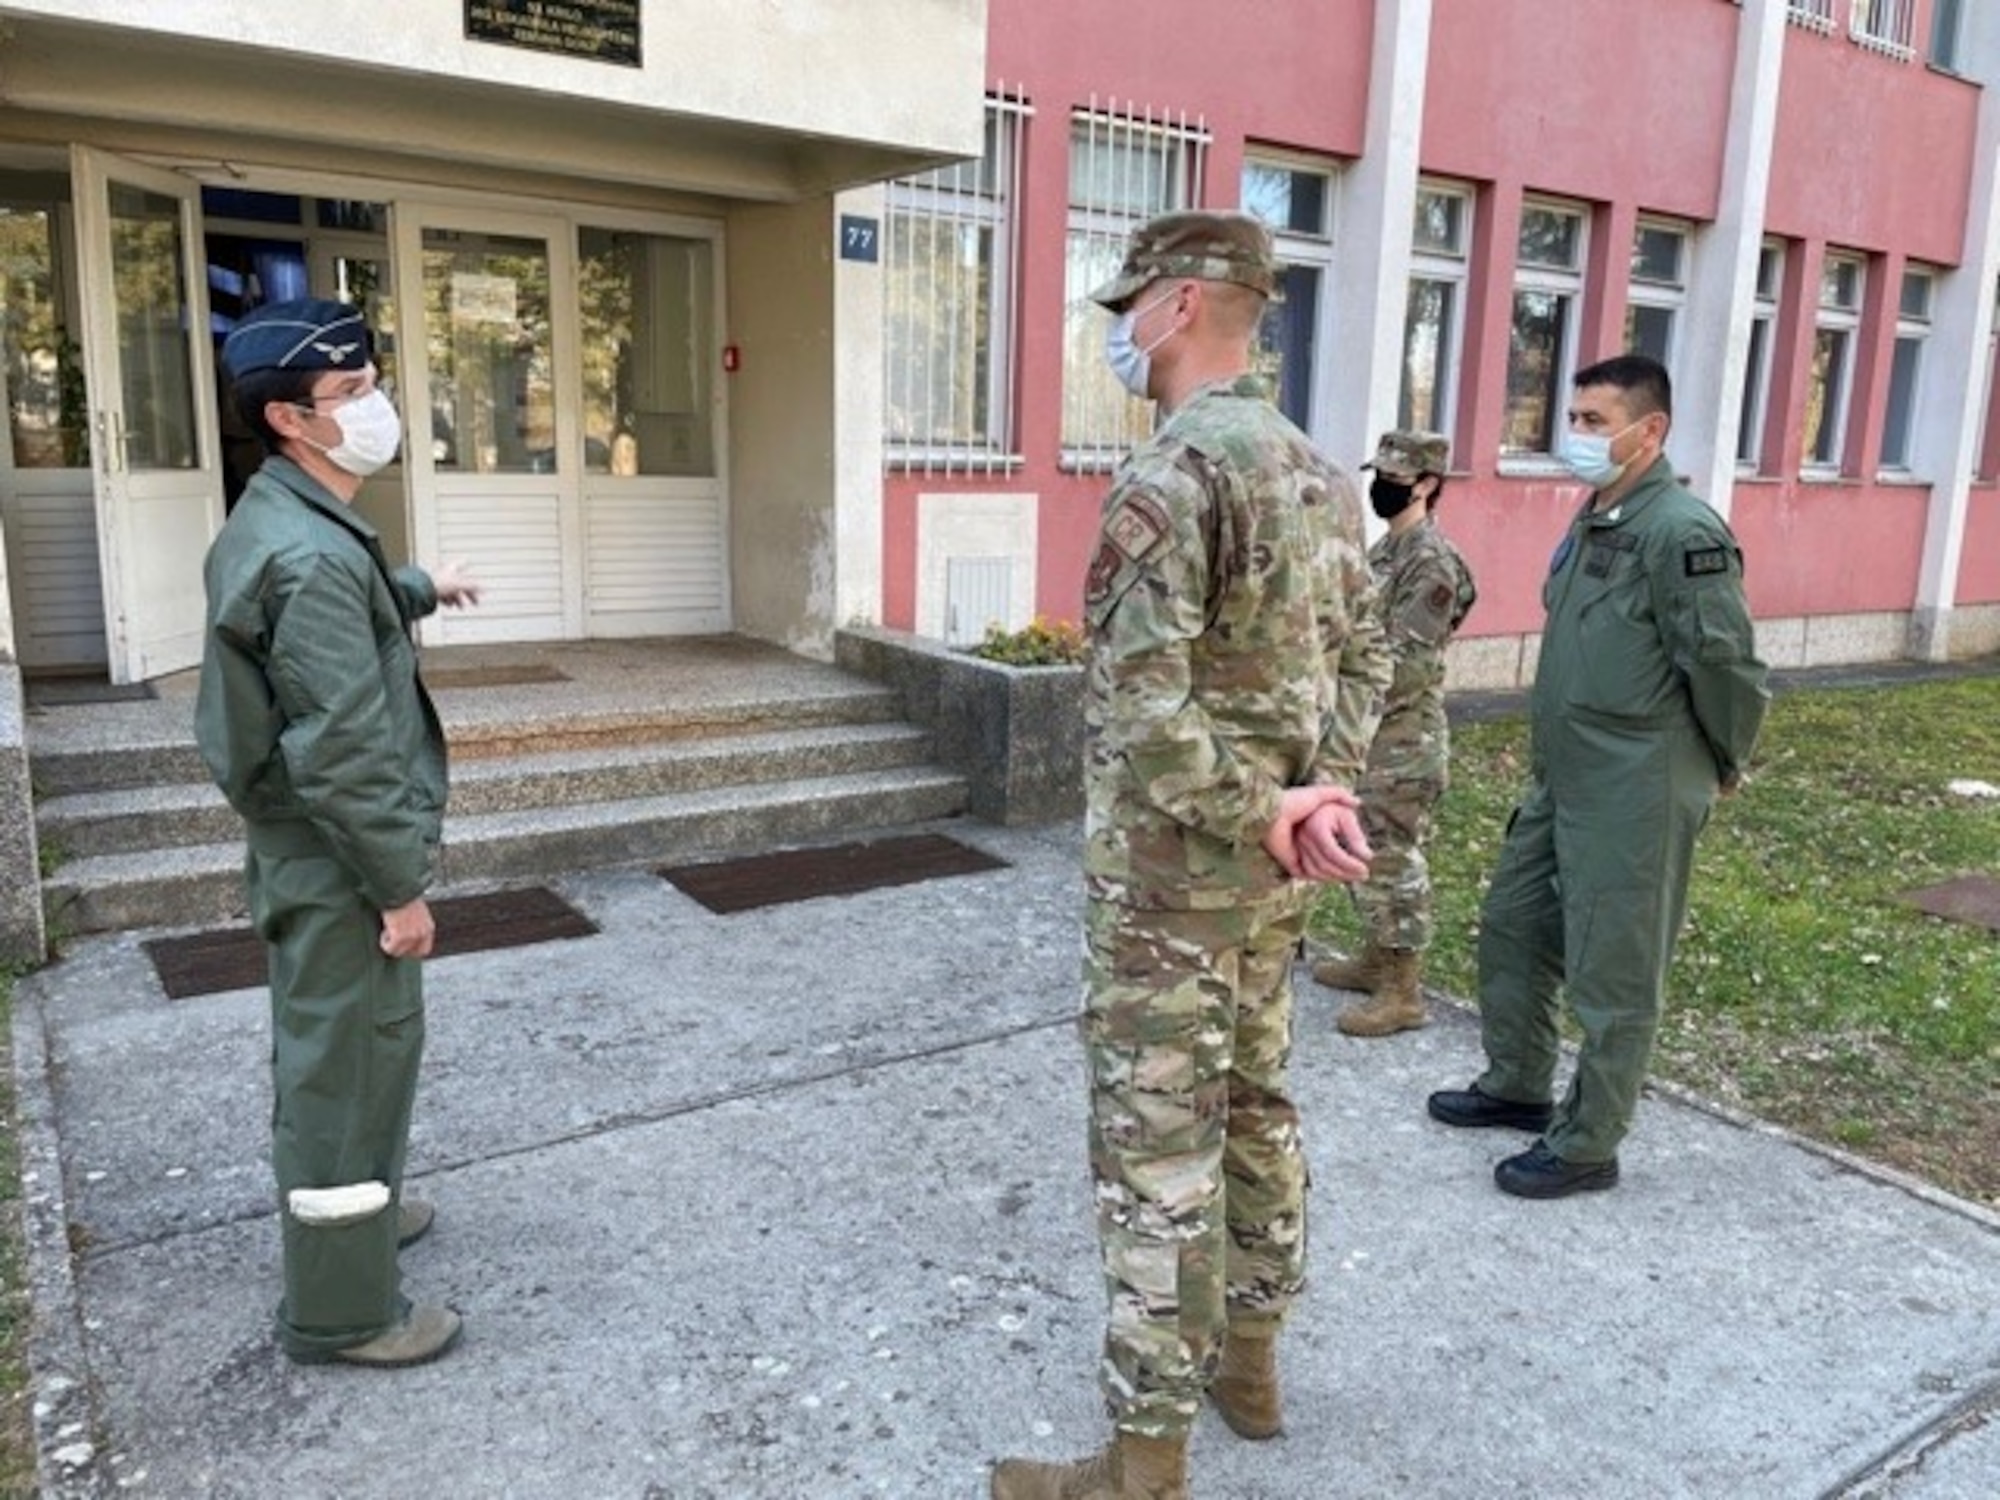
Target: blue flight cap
(311, 333)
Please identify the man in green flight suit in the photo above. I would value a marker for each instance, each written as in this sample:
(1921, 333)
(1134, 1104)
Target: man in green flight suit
(1235, 675)
(313, 722)
(1646, 705)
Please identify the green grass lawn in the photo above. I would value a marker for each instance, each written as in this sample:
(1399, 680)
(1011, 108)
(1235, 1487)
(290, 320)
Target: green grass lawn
(1804, 991)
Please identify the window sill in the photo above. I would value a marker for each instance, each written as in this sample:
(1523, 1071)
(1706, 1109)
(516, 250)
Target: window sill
(1826, 477)
(1076, 461)
(950, 463)
(1902, 479)
(1529, 466)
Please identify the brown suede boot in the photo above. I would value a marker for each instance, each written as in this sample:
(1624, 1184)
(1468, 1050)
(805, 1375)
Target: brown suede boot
(1245, 1388)
(1397, 1003)
(1362, 971)
(1132, 1468)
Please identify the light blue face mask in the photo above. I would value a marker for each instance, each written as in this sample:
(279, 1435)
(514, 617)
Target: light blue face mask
(1587, 455)
(1132, 365)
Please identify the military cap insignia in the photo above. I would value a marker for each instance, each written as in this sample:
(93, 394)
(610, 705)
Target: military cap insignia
(1704, 560)
(337, 353)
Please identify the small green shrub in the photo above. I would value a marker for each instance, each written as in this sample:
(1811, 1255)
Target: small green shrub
(1040, 643)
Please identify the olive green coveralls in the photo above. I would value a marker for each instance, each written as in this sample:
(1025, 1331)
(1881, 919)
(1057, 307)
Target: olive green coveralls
(1648, 696)
(313, 722)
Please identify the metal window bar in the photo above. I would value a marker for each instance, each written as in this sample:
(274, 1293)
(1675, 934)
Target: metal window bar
(1885, 26)
(1814, 15)
(1121, 142)
(950, 378)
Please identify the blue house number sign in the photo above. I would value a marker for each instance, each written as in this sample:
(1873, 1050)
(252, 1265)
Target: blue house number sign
(860, 238)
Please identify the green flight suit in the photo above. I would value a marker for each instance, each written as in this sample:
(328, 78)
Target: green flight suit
(313, 722)
(1648, 696)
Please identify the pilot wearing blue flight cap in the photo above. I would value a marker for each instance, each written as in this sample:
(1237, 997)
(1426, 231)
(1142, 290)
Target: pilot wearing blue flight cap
(314, 723)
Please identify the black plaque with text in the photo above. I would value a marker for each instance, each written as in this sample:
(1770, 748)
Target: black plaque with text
(601, 30)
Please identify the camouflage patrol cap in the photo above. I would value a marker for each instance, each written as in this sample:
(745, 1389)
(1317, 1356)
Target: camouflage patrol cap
(1406, 454)
(1199, 245)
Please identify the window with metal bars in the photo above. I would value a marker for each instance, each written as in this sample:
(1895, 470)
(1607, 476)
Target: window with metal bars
(952, 265)
(1126, 165)
(1886, 26)
(1814, 15)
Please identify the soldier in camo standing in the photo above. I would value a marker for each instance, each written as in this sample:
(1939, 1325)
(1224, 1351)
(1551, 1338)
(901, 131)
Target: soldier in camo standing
(1235, 676)
(1426, 592)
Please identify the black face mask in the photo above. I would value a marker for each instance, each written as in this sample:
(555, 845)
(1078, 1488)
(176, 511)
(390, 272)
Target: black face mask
(1389, 498)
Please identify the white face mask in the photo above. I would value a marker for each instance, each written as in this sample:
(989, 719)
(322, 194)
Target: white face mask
(1587, 455)
(1132, 365)
(370, 434)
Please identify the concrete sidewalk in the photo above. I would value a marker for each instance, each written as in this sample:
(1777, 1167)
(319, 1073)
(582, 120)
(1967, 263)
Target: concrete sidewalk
(793, 1203)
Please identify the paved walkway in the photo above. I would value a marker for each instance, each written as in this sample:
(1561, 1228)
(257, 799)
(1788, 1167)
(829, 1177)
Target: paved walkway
(792, 1203)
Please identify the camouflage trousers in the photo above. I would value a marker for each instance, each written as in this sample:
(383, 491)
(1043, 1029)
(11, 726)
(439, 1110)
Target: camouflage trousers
(1395, 900)
(1194, 1142)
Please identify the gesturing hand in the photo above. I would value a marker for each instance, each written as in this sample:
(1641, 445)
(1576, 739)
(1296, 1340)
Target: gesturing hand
(455, 585)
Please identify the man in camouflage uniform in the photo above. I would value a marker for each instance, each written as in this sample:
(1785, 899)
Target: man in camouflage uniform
(1426, 591)
(1235, 675)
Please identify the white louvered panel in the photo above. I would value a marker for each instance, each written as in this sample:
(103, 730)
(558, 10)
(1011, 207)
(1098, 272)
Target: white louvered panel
(513, 543)
(655, 564)
(52, 571)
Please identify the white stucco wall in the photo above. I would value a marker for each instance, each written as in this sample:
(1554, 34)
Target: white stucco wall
(892, 71)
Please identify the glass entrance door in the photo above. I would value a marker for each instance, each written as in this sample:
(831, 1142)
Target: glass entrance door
(153, 431)
(493, 443)
(655, 559)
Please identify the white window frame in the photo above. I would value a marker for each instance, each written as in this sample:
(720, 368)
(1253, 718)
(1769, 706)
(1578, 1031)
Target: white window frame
(1562, 282)
(1913, 327)
(1983, 456)
(984, 192)
(1668, 295)
(1100, 423)
(1885, 26)
(1813, 15)
(1756, 403)
(1449, 266)
(1311, 249)
(1836, 317)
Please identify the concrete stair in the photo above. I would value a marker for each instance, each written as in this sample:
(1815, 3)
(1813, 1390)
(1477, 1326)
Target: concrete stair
(138, 837)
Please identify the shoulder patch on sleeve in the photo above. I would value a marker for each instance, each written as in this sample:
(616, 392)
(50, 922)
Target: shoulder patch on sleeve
(1136, 526)
(1702, 560)
(1443, 596)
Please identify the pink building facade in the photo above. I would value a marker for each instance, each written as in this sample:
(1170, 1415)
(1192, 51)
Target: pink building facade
(1791, 202)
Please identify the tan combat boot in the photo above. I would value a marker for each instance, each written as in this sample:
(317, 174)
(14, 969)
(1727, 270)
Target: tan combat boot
(1245, 1388)
(1132, 1468)
(1397, 1003)
(1362, 971)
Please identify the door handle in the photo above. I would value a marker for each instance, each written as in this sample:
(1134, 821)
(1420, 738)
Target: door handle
(111, 441)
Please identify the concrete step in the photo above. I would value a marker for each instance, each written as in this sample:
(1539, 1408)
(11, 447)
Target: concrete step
(200, 884)
(72, 752)
(84, 825)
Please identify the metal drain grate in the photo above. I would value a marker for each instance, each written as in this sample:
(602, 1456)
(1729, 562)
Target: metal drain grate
(1971, 899)
(734, 885)
(525, 675)
(233, 958)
